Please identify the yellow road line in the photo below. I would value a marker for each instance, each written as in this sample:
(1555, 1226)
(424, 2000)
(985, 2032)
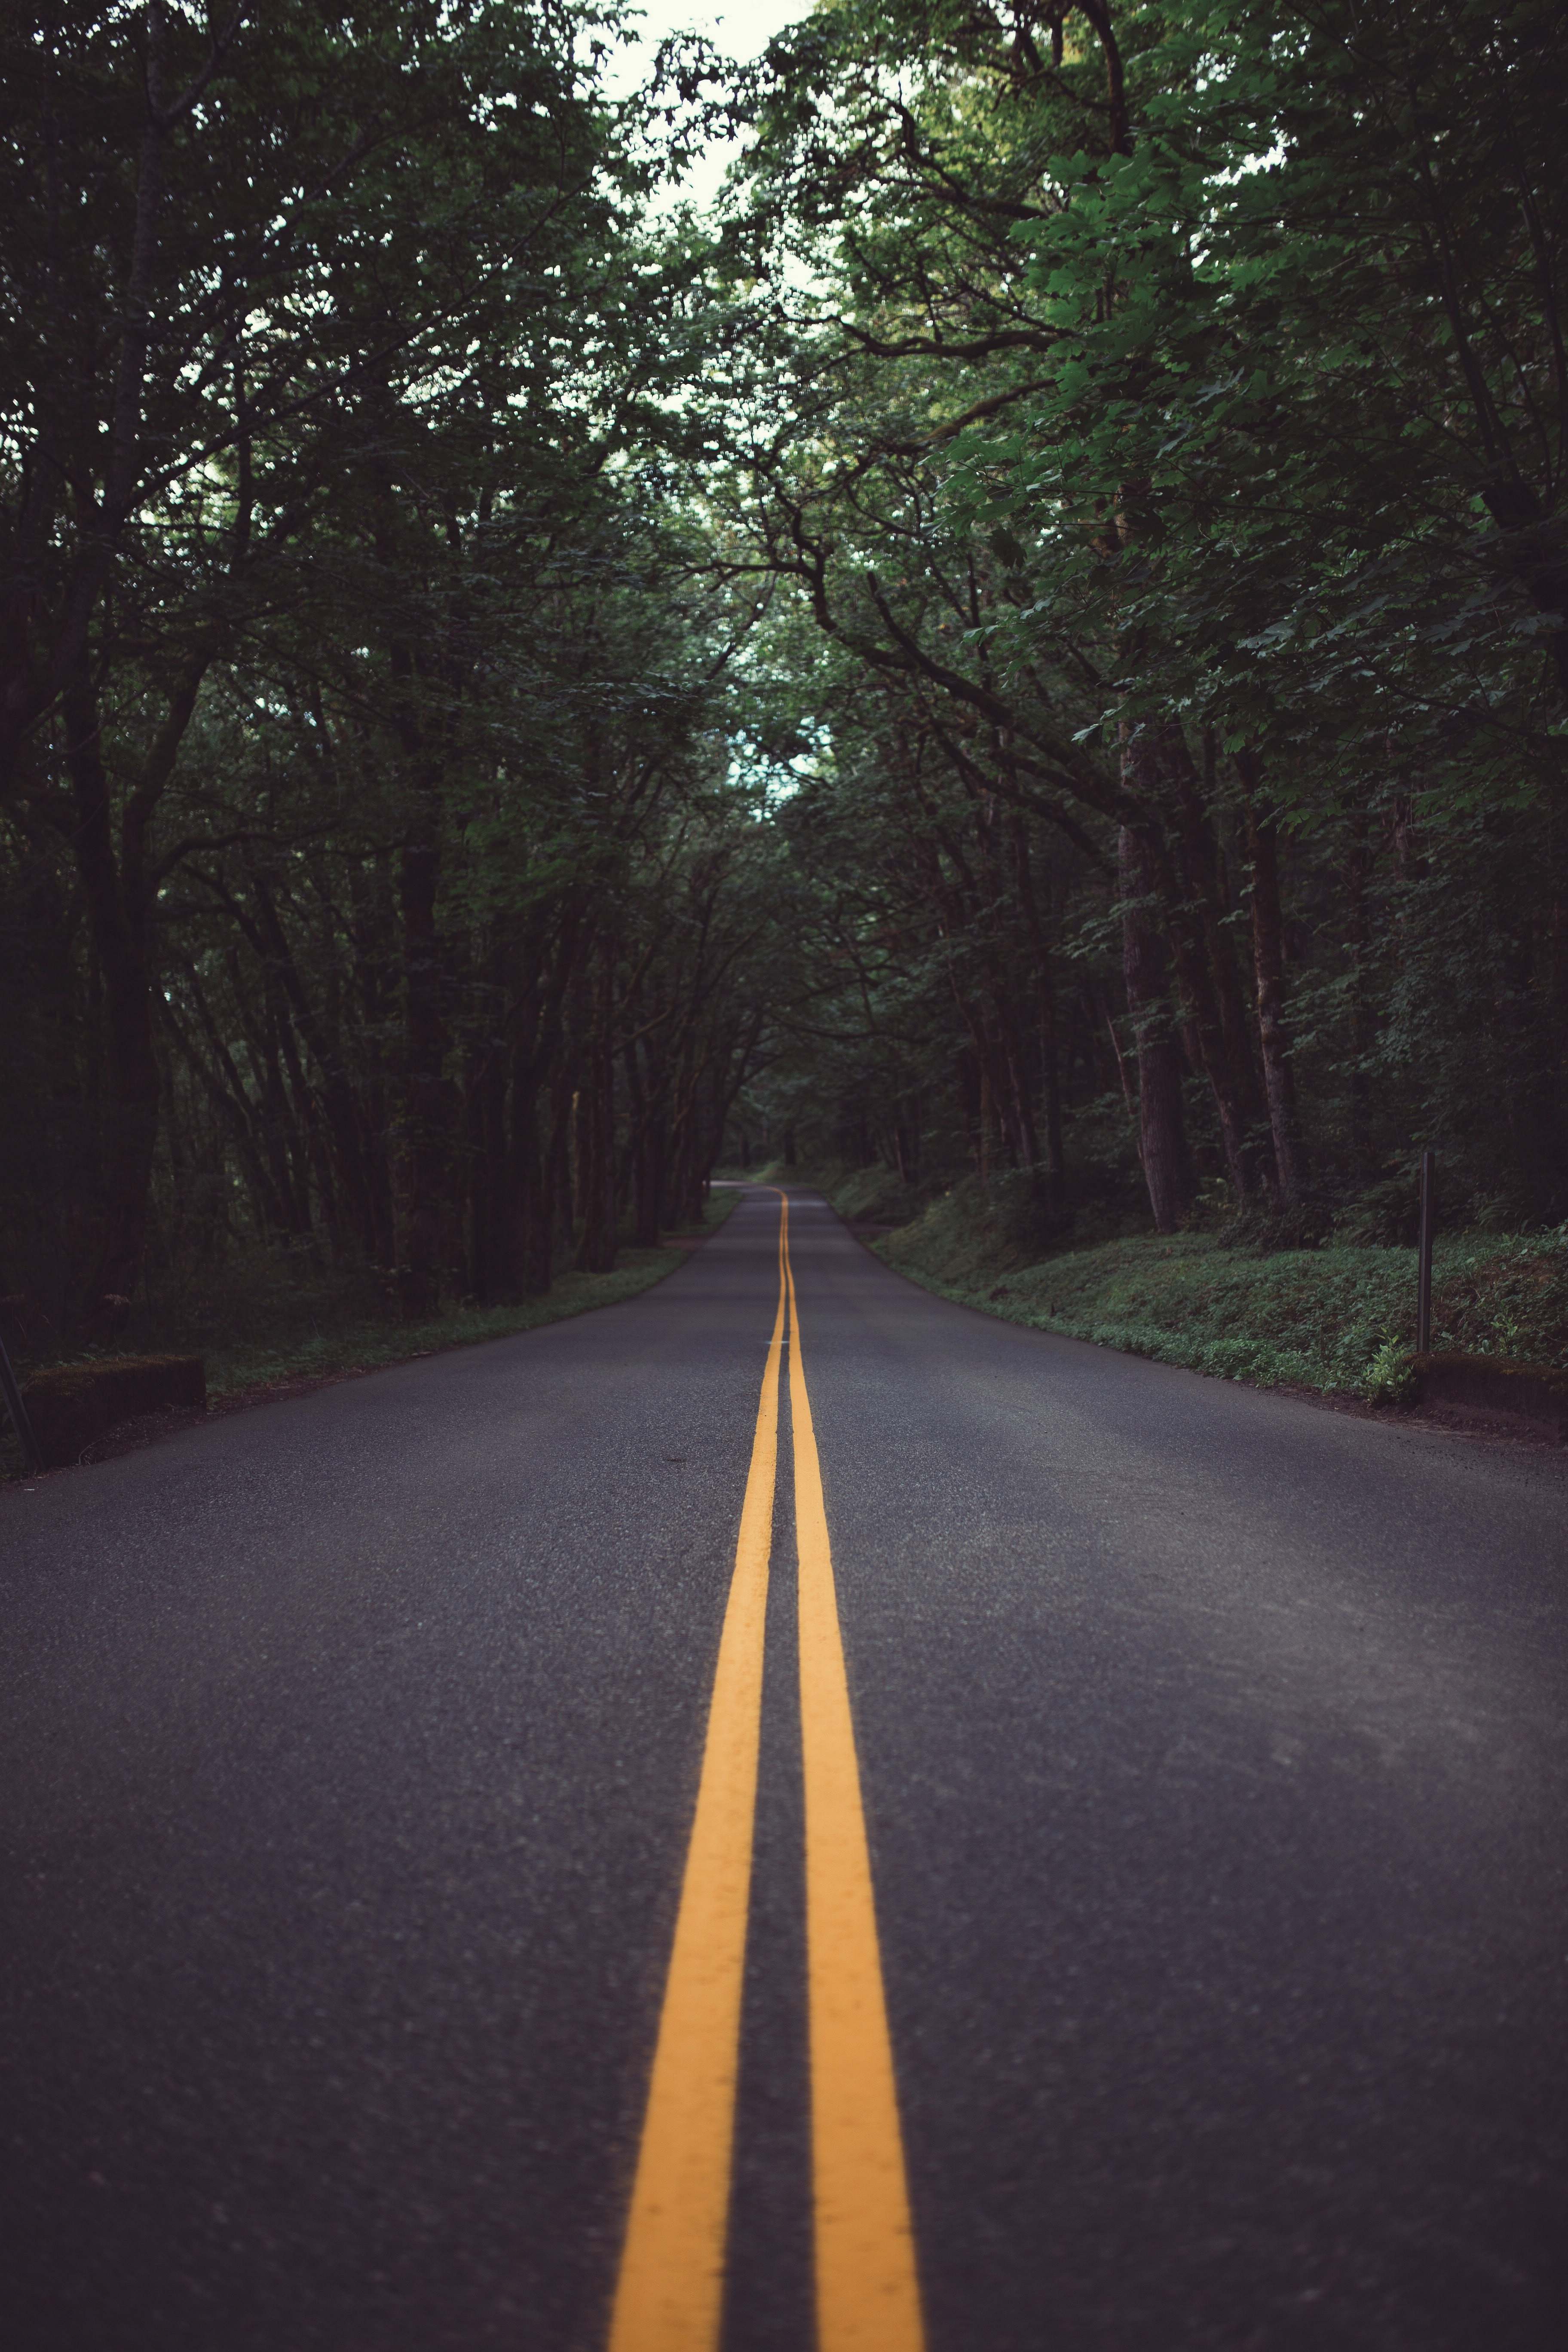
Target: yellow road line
(867, 2297)
(670, 2293)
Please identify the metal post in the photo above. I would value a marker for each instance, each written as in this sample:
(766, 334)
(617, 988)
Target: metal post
(1424, 1276)
(31, 1457)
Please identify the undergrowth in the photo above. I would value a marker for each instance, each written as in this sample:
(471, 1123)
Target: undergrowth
(365, 1344)
(1340, 1319)
(371, 1345)
(314, 1325)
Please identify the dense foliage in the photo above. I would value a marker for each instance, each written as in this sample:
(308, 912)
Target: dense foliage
(1033, 644)
(370, 846)
(1164, 422)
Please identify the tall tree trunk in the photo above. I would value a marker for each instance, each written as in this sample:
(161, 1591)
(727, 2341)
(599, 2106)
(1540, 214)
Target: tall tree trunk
(495, 1272)
(130, 1100)
(350, 1155)
(1158, 767)
(541, 1140)
(1224, 1031)
(985, 1133)
(1046, 1015)
(1268, 967)
(644, 1109)
(558, 1171)
(1162, 1129)
(595, 1131)
(425, 1113)
(597, 1174)
(648, 1149)
(530, 1196)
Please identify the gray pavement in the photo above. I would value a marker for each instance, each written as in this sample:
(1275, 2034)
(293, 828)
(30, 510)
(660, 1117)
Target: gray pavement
(1215, 1753)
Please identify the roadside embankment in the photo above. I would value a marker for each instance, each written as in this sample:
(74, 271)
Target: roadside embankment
(1335, 1319)
(1340, 1319)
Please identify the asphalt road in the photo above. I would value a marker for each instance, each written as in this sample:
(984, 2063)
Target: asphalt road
(1213, 1758)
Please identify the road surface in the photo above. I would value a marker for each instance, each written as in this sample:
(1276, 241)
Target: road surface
(419, 1936)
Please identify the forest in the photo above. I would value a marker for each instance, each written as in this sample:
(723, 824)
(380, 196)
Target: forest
(1015, 664)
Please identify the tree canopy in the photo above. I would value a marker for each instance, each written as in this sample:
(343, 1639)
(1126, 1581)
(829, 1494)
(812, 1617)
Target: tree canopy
(1031, 640)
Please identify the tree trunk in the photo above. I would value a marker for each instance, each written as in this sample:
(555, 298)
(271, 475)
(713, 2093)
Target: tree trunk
(1162, 1129)
(426, 1107)
(558, 1172)
(349, 1151)
(1158, 767)
(1046, 1015)
(644, 1098)
(494, 1272)
(1268, 966)
(1227, 1043)
(130, 1122)
(596, 1136)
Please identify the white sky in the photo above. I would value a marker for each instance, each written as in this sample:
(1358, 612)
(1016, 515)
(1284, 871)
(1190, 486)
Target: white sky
(740, 28)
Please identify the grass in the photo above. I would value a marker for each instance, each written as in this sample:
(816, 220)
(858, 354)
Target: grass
(1338, 1319)
(370, 1346)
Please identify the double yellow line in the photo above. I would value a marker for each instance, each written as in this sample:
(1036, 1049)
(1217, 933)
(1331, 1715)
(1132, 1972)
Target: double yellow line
(670, 2293)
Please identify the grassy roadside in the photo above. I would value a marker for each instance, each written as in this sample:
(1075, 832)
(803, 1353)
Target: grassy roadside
(371, 1345)
(260, 1365)
(1340, 1319)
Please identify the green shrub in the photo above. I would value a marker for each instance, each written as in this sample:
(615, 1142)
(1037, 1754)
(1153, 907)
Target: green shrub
(1390, 1377)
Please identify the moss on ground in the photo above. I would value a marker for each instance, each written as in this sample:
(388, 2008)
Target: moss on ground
(1338, 1320)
